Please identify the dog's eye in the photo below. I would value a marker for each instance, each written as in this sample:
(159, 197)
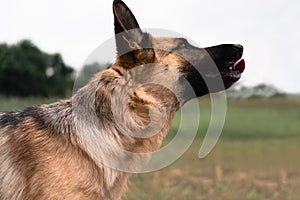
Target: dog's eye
(182, 45)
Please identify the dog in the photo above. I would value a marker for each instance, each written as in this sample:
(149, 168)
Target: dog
(67, 149)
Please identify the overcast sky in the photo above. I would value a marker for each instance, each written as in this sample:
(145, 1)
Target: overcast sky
(269, 29)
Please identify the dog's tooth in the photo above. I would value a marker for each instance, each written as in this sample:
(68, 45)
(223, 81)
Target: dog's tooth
(230, 68)
(212, 75)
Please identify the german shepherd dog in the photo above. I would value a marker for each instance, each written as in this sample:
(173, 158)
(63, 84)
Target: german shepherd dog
(51, 152)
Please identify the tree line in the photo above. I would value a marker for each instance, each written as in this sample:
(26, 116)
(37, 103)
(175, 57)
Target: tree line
(25, 70)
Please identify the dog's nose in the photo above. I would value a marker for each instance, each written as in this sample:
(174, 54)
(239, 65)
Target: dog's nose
(240, 47)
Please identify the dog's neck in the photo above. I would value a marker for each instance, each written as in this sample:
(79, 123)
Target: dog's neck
(111, 117)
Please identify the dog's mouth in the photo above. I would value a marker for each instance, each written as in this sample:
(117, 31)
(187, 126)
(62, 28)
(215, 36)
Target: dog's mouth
(219, 69)
(233, 71)
(229, 61)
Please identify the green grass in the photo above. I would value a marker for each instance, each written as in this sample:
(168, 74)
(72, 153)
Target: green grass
(253, 118)
(16, 103)
(265, 118)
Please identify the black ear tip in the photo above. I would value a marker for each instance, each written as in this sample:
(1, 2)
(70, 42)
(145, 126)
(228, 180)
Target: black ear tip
(118, 2)
(120, 7)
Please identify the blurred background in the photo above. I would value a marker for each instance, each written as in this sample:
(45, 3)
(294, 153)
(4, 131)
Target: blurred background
(43, 44)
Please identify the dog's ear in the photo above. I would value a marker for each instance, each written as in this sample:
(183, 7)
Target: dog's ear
(127, 30)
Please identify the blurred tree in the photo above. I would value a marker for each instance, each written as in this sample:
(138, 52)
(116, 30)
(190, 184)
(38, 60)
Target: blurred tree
(27, 71)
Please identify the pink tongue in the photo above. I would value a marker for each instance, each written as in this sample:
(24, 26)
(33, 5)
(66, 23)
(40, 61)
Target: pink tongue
(239, 65)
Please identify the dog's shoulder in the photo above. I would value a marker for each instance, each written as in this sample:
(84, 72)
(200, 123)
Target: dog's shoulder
(13, 118)
(40, 114)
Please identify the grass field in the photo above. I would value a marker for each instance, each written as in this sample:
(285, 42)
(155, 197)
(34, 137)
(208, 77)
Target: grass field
(15, 103)
(236, 169)
(257, 156)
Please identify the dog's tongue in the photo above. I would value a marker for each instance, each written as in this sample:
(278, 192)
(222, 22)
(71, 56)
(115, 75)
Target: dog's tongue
(239, 65)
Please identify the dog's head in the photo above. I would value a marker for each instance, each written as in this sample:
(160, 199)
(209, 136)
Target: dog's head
(148, 82)
(199, 66)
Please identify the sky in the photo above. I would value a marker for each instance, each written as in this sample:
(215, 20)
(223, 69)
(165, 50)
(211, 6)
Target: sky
(269, 30)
